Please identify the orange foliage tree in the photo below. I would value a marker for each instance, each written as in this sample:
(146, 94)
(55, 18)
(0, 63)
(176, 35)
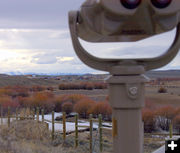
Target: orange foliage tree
(176, 122)
(83, 106)
(149, 120)
(6, 101)
(102, 108)
(73, 98)
(43, 100)
(82, 85)
(67, 107)
(58, 101)
(37, 88)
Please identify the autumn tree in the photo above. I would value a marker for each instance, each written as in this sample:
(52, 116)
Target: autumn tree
(149, 120)
(83, 106)
(102, 108)
(67, 107)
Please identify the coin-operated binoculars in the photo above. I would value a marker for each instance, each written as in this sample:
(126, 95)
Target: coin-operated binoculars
(125, 21)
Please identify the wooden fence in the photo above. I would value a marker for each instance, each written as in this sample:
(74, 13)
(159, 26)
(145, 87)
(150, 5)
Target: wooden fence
(35, 115)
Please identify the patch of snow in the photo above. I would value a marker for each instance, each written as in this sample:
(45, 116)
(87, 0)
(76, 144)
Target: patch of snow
(160, 150)
(70, 126)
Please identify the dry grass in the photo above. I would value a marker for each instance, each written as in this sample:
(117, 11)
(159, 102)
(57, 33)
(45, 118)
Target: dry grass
(28, 136)
(164, 99)
(23, 136)
(153, 142)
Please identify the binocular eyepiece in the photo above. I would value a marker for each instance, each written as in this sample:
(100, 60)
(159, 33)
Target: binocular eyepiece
(161, 3)
(132, 4)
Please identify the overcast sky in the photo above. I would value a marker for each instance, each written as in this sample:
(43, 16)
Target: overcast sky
(34, 38)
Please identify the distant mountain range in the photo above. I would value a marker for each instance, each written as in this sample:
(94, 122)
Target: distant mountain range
(53, 79)
(47, 74)
(164, 74)
(151, 74)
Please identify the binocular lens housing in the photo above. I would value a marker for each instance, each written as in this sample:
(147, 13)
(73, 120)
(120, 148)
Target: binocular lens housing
(130, 4)
(161, 3)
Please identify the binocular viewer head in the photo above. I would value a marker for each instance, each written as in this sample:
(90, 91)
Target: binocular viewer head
(126, 20)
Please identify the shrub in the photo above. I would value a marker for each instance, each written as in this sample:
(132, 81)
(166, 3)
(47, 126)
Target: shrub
(6, 102)
(89, 86)
(102, 108)
(43, 100)
(67, 107)
(82, 85)
(107, 98)
(20, 91)
(176, 123)
(100, 85)
(58, 101)
(149, 120)
(50, 88)
(23, 101)
(74, 98)
(162, 90)
(63, 87)
(15, 91)
(164, 116)
(83, 106)
(37, 88)
(5, 92)
(178, 111)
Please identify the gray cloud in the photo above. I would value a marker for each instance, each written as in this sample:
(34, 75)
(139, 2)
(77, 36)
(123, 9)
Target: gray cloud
(36, 13)
(44, 59)
(35, 39)
(40, 35)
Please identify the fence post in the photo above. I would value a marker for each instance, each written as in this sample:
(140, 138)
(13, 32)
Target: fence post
(9, 116)
(1, 115)
(76, 130)
(27, 114)
(170, 130)
(100, 133)
(33, 114)
(90, 132)
(16, 114)
(37, 114)
(47, 125)
(53, 125)
(42, 113)
(64, 126)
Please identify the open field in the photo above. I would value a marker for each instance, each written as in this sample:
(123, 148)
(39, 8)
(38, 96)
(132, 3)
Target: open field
(172, 97)
(6, 80)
